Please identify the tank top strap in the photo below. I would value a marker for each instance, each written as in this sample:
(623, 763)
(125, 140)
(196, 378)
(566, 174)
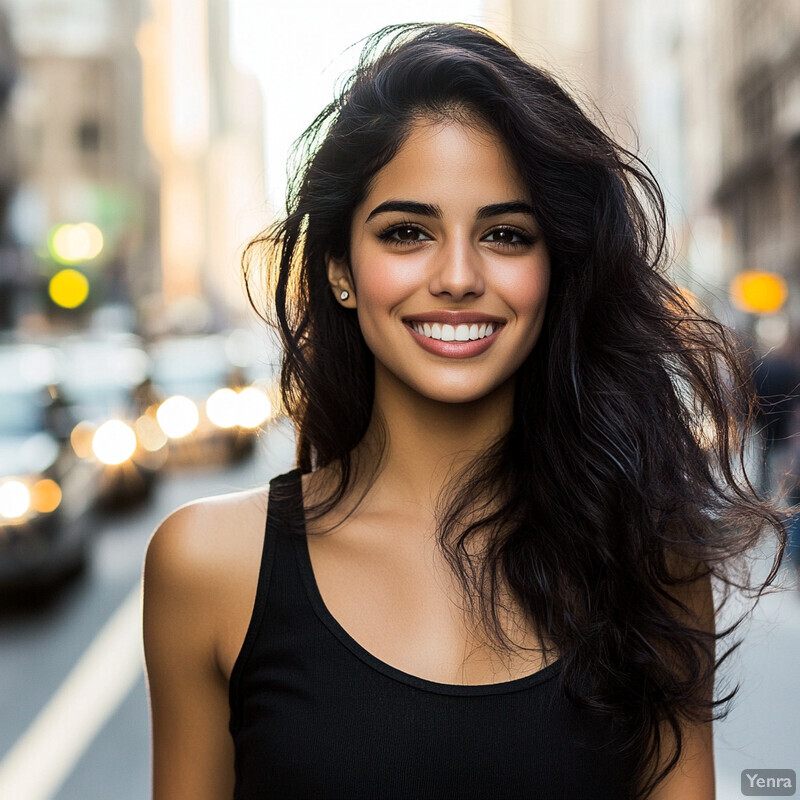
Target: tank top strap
(285, 518)
(285, 513)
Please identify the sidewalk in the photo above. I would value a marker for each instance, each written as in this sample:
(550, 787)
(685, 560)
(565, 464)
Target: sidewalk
(763, 728)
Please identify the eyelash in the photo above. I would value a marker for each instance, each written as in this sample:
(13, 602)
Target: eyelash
(387, 235)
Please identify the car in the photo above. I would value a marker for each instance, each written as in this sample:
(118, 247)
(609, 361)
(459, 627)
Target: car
(48, 495)
(105, 380)
(210, 410)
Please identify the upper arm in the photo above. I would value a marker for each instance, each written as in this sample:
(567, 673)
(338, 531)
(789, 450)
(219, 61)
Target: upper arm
(693, 778)
(192, 748)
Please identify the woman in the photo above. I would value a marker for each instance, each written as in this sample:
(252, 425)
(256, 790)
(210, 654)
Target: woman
(490, 574)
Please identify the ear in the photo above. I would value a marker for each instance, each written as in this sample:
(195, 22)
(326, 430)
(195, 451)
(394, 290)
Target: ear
(341, 282)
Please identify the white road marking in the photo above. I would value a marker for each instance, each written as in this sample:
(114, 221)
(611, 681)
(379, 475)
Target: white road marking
(45, 755)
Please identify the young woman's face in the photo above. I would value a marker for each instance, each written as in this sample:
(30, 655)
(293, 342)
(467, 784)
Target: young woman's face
(449, 270)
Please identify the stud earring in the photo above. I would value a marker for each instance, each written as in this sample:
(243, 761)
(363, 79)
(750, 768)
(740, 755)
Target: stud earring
(344, 294)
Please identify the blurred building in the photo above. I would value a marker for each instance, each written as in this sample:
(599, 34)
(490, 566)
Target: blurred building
(671, 55)
(11, 265)
(647, 72)
(82, 154)
(575, 40)
(759, 189)
(203, 122)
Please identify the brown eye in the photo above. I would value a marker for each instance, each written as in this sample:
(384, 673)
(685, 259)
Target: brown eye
(509, 237)
(406, 234)
(403, 234)
(504, 235)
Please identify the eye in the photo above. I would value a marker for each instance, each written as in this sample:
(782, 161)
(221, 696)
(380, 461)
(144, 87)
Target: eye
(509, 237)
(403, 234)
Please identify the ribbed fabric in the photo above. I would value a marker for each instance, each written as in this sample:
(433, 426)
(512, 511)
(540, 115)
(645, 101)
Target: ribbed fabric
(315, 716)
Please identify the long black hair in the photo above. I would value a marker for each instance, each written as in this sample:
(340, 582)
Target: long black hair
(622, 475)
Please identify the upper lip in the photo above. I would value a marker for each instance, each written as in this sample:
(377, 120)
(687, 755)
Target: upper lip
(453, 317)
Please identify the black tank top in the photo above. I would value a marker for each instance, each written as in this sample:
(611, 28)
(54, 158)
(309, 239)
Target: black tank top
(314, 715)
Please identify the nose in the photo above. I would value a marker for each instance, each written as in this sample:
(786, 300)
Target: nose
(457, 270)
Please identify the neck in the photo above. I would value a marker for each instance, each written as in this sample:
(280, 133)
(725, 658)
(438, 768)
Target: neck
(426, 441)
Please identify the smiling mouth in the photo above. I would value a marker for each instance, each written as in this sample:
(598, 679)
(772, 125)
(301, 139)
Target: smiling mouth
(454, 333)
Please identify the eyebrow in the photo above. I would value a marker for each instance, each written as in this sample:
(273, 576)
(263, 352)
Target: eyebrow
(428, 210)
(500, 209)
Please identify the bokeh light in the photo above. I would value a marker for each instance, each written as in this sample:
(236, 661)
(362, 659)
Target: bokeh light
(222, 408)
(149, 433)
(114, 442)
(71, 244)
(254, 407)
(15, 499)
(178, 416)
(46, 496)
(758, 292)
(81, 439)
(69, 288)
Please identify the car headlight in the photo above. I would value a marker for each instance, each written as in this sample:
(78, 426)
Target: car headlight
(149, 433)
(178, 416)
(254, 407)
(15, 499)
(114, 442)
(45, 496)
(81, 439)
(20, 499)
(222, 408)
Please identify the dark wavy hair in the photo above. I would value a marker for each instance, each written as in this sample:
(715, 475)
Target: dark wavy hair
(622, 476)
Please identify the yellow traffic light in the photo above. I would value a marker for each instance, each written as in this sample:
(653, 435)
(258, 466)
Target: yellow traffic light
(758, 292)
(68, 288)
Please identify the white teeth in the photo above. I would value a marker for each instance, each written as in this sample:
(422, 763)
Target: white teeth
(454, 333)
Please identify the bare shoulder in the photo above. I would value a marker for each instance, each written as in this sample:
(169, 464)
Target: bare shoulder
(201, 537)
(200, 580)
(202, 567)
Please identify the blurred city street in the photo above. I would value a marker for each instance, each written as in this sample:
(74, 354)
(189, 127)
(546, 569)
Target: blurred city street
(763, 728)
(145, 143)
(40, 646)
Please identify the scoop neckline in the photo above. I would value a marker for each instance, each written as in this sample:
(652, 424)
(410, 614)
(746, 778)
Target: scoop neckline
(332, 624)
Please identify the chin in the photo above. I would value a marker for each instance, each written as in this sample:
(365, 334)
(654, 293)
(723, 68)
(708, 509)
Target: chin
(461, 395)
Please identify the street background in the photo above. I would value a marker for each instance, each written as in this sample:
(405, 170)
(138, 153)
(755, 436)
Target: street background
(143, 143)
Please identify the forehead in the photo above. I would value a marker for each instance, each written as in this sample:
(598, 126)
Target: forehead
(449, 163)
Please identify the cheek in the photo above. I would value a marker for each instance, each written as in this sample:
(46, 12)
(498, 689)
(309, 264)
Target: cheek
(382, 282)
(525, 289)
